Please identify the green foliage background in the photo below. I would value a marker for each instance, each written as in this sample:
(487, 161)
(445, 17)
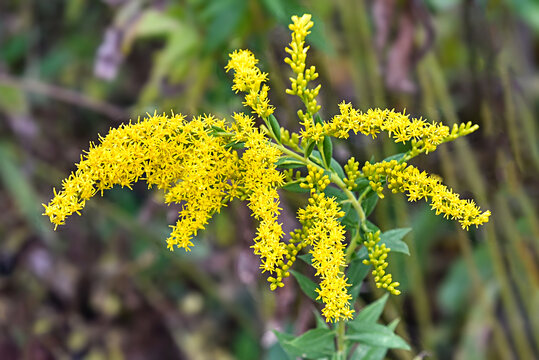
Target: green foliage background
(104, 286)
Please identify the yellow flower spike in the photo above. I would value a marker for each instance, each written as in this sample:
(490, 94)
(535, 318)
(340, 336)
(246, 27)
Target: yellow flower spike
(160, 151)
(399, 126)
(249, 79)
(325, 234)
(377, 258)
(298, 53)
(420, 185)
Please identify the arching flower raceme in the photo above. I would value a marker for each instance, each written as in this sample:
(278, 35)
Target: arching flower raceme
(419, 185)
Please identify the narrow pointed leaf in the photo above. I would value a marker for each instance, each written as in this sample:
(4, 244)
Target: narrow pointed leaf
(376, 335)
(275, 127)
(307, 285)
(393, 240)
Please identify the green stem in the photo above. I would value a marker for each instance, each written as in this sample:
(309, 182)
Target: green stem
(341, 343)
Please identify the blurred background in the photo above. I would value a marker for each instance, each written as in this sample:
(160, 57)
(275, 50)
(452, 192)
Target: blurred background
(105, 287)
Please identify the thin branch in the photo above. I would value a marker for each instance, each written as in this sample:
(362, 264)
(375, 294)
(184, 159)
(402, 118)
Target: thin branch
(65, 95)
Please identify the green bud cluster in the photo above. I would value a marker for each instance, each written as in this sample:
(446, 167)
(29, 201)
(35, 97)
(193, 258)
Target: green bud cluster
(378, 172)
(295, 245)
(352, 173)
(377, 258)
(291, 140)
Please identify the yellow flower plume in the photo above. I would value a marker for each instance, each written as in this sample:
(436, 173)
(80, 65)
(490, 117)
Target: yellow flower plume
(298, 54)
(249, 79)
(425, 136)
(419, 185)
(195, 169)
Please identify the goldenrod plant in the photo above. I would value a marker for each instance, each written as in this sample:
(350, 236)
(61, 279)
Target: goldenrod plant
(205, 163)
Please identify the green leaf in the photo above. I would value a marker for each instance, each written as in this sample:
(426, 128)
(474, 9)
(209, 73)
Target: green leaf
(335, 166)
(284, 340)
(370, 313)
(366, 352)
(12, 100)
(294, 187)
(288, 163)
(309, 149)
(393, 240)
(21, 191)
(395, 157)
(307, 285)
(350, 219)
(320, 322)
(362, 253)
(313, 344)
(307, 258)
(282, 10)
(372, 227)
(356, 273)
(327, 146)
(453, 293)
(376, 335)
(275, 127)
(393, 325)
(318, 119)
(156, 23)
(361, 184)
(224, 17)
(369, 203)
(235, 145)
(338, 194)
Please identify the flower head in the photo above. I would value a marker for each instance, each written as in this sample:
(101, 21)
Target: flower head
(249, 79)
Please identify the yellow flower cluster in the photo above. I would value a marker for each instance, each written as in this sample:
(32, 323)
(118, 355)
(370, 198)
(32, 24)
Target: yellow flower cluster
(249, 79)
(419, 185)
(298, 53)
(261, 179)
(377, 258)
(325, 234)
(168, 152)
(425, 136)
(323, 231)
(193, 167)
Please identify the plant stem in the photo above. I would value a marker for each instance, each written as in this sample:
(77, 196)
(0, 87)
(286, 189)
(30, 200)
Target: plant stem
(341, 344)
